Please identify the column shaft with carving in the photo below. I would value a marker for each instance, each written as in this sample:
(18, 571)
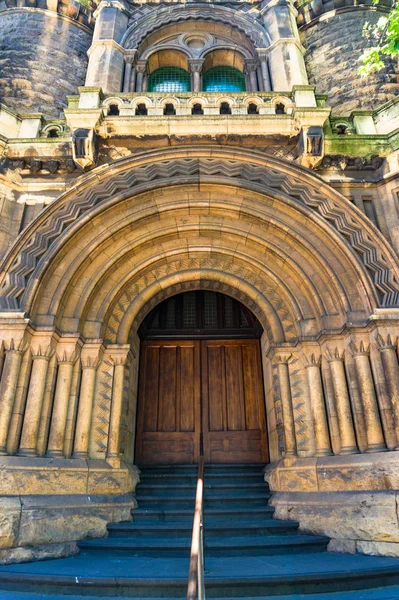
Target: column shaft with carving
(346, 430)
(66, 361)
(91, 357)
(8, 388)
(119, 357)
(37, 385)
(390, 361)
(320, 423)
(286, 403)
(375, 436)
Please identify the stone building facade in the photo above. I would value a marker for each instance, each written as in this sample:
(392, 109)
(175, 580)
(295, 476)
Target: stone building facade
(151, 149)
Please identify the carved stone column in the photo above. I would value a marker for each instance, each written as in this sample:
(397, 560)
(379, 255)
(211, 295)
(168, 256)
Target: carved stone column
(250, 67)
(128, 82)
(346, 430)
(375, 436)
(30, 428)
(391, 367)
(120, 357)
(8, 388)
(286, 403)
(323, 444)
(66, 361)
(264, 70)
(196, 71)
(141, 69)
(91, 358)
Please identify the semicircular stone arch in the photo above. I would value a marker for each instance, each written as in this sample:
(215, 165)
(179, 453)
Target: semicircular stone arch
(281, 225)
(140, 30)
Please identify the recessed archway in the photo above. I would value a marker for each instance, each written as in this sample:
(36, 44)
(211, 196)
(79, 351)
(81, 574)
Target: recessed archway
(201, 384)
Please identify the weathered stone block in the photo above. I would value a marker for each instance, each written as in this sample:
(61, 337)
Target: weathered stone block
(10, 516)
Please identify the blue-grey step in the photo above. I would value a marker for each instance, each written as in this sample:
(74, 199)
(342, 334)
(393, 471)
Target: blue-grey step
(235, 546)
(212, 514)
(234, 577)
(386, 593)
(220, 528)
(236, 489)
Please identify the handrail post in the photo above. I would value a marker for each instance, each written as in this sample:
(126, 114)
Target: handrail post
(196, 586)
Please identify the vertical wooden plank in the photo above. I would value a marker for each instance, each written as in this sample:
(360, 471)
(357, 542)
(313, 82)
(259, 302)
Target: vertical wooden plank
(167, 389)
(251, 386)
(215, 385)
(187, 383)
(234, 388)
(151, 386)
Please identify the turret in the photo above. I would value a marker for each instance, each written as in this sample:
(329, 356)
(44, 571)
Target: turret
(43, 53)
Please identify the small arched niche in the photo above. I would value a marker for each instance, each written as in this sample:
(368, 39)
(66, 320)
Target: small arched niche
(168, 72)
(223, 72)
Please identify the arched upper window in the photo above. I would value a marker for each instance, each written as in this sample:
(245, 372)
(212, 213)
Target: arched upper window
(169, 79)
(224, 79)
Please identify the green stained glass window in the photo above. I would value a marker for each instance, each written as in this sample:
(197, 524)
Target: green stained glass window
(169, 79)
(224, 79)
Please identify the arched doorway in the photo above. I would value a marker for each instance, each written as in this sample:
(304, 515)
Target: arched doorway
(201, 385)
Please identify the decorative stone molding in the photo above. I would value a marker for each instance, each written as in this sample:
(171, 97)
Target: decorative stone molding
(162, 16)
(374, 252)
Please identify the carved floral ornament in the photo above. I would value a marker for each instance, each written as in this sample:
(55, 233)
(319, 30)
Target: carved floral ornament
(34, 251)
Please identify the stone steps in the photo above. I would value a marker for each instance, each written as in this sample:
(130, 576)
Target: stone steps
(248, 554)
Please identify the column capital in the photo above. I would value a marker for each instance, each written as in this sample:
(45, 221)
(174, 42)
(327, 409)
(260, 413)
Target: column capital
(120, 354)
(196, 65)
(312, 360)
(130, 56)
(43, 352)
(68, 350)
(251, 64)
(18, 346)
(282, 358)
(92, 354)
(141, 66)
(359, 349)
(386, 343)
(334, 355)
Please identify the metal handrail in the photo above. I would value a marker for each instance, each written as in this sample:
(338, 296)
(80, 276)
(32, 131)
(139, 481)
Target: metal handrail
(196, 587)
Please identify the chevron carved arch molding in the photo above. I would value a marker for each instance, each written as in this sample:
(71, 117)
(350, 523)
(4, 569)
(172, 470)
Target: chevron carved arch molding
(33, 251)
(161, 17)
(138, 298)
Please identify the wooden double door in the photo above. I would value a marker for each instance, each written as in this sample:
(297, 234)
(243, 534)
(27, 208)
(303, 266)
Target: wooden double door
(203, 391)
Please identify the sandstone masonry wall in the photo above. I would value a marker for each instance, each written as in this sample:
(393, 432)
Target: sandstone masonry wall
(42, 60)
(333, 47)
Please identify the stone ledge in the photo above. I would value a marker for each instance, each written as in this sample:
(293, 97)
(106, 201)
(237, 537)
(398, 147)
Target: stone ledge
(39, 527)
(26, 476)
(358, 472)
(356, 522)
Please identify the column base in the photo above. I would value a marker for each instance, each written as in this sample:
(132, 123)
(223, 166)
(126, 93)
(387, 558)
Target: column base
(285, 454)
(83, 455)
(349, 450)
(27, 452)
(377, 448)
(324, 453)
(55, 454)
(3, 452)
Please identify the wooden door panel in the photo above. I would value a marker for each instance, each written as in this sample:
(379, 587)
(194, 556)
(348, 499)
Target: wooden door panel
(233, 402)
(214, 385)
(168, 425)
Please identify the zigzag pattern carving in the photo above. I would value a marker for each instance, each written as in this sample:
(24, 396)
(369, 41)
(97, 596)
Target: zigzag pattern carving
(226, 266)
(193, 170)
